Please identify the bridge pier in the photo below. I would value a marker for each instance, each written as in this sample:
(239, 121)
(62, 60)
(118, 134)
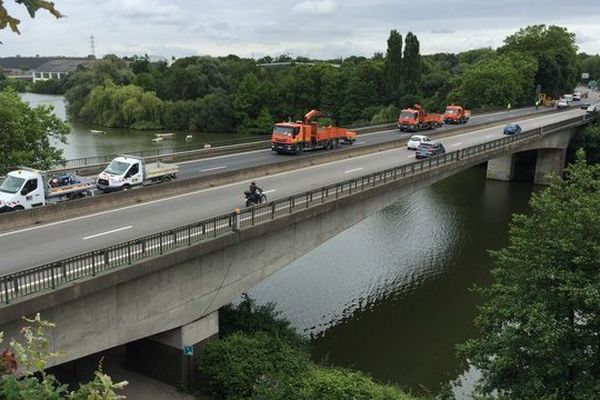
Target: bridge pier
(549, 161)
(162, 356)
(501, 168)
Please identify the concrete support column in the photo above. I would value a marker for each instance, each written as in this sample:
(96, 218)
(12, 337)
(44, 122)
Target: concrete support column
(549, 161)
(162, 356)
(501, 168)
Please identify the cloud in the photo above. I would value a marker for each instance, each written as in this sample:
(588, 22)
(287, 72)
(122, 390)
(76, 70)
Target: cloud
(151, 11)
(444, 31)
(321, 7)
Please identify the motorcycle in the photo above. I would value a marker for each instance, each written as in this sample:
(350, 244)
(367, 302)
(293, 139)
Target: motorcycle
(257, 198)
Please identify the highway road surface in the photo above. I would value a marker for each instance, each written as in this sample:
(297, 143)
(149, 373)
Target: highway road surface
(37, 245)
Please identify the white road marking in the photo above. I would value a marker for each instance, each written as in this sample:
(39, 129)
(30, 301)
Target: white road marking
(108, 232)
(360, 142)
(456, 144)
(352, 170)
(223, 156)
(489, 136)
(213, 169)
(270, 191)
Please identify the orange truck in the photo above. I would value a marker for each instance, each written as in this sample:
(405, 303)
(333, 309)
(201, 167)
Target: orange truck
(417, 119)
(456, 114)
(296, 137)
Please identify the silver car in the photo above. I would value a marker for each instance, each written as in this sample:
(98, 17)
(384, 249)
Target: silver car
(415, 141)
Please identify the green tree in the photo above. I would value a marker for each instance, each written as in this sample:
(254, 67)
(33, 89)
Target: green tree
(554, 49)
(591, 65)
(496, 81)
(26, 133)
(32, 6)
(411, 64)
(540, 319)
(588, 138)
(393, 65)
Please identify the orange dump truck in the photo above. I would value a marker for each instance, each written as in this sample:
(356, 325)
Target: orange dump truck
(417, 119)
(456, 114)
(296, 137)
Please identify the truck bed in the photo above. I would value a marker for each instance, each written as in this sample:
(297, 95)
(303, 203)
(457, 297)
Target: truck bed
(158, 169)
(83, 186)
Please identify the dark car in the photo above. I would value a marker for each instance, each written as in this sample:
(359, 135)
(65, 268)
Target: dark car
(584, 106)
(429, 149)
(512, 129)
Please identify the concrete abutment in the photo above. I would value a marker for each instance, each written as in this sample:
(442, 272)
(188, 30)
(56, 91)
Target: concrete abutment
(172, 357)
(549, 162)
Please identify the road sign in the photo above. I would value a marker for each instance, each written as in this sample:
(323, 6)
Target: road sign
(188, 351)
(585, 75)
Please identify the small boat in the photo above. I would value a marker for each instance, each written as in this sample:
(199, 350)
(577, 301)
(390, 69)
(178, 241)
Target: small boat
(207, 146)
(157, 139)
(164, 135)
(188, 138)
(97, 131)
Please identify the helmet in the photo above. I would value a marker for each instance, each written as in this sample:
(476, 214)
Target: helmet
(253, 183)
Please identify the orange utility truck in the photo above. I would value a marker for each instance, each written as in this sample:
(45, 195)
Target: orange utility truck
(456, 114)
(417, 119)
(296, 137)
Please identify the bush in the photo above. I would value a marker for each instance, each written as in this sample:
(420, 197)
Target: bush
(248, 317)
(385, 114)
(341, 384)
(235, 365)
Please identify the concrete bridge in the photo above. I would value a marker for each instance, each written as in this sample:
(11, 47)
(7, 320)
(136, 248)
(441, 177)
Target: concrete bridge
(158, 293)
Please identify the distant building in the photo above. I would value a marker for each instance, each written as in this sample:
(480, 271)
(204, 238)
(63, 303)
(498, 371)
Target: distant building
(40, 68)
(58, 68)
(21, 67)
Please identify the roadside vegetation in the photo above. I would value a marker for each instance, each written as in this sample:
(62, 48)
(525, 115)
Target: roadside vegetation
(226, 94)
(260, 356)
(22, 375)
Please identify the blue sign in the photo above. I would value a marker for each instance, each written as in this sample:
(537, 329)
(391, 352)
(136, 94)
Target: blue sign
(188, 351)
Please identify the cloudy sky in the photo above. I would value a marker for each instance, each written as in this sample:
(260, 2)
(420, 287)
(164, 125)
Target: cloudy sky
(313, 28)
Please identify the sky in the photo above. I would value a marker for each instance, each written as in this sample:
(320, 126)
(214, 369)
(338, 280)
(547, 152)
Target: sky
(321, 29)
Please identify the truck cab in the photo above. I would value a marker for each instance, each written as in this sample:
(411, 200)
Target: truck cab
(22, 189)
(121, 173)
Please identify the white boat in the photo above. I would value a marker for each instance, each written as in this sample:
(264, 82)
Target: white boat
(164, 135)
(97, 131)
(188, 137)
(157, 139)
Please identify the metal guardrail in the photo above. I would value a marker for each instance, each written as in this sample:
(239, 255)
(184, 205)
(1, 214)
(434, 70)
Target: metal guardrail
(51, 275)
(155, 152)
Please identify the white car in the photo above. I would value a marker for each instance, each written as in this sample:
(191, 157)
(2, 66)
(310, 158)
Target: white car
(592, 109)
(562, 103)
(577, 96)
(415, 141)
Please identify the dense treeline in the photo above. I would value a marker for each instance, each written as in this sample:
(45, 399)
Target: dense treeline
(224, 94)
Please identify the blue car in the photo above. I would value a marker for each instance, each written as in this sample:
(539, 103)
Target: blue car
(512, 129)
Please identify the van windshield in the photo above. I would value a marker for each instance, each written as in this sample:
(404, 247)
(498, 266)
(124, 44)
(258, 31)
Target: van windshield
(116, 167)
(408, 114)
(11, 184)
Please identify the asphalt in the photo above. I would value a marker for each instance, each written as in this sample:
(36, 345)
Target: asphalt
(37, 245)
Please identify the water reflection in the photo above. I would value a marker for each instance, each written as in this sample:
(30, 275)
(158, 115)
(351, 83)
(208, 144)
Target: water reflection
(83, 143)
(390, 296)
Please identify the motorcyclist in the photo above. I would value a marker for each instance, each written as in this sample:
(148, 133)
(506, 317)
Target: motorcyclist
(254, 191)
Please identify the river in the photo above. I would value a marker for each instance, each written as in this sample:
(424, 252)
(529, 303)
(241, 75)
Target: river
(390, 296)
(83, 143)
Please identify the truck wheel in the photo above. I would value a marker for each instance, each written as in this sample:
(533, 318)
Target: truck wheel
(337, 143)
(166, 179)
(300, 149)
(126, 188)
(18, 208)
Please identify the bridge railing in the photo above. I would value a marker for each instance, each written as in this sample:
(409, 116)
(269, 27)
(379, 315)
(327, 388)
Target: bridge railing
(54, 274)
